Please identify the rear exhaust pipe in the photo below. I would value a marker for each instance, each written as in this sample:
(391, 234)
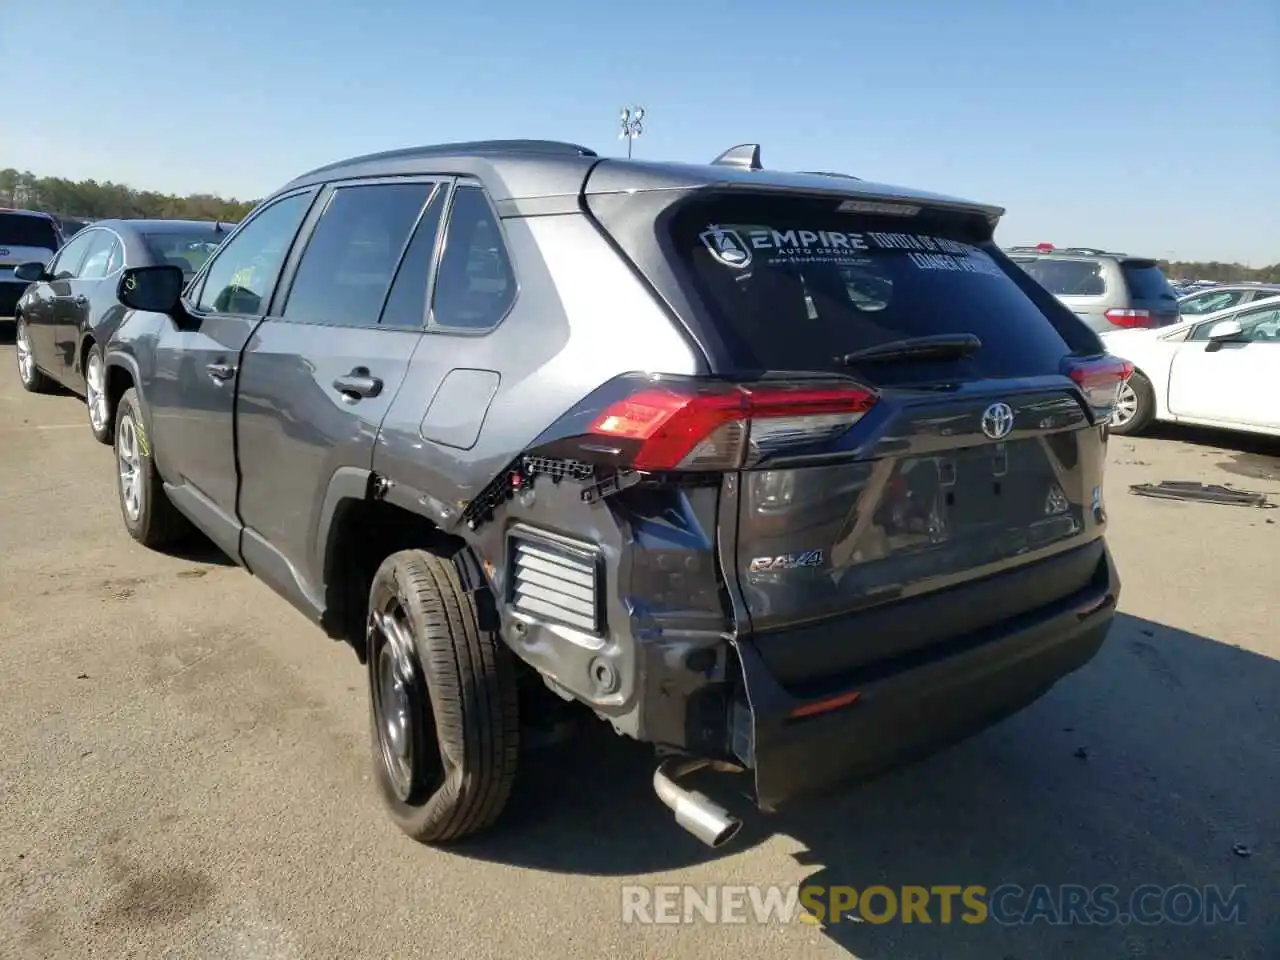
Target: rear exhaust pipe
(697, 813)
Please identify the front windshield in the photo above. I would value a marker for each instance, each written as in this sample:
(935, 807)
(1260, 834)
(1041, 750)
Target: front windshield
(186, 249)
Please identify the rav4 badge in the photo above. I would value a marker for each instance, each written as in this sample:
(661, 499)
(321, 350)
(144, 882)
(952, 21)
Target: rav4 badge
(788, 561)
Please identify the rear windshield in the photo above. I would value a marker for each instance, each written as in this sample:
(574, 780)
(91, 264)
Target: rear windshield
(188, 250)
(796, 285)
(20, 230)
(1067, 278)
(1146, 281)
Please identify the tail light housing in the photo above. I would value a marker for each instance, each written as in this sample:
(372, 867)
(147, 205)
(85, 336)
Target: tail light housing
(1099, 379)
(1130, 319)
(692, 425)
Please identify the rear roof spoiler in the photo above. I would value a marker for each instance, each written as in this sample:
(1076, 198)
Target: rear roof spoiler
(746, 156)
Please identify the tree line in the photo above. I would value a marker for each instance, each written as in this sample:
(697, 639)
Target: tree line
(1214, 270)
(95, 200)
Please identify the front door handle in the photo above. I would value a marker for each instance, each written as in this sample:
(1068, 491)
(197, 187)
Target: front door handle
(221, 371)
(358, 383)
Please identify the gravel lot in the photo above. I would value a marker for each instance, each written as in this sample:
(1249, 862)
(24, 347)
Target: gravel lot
(185, 770)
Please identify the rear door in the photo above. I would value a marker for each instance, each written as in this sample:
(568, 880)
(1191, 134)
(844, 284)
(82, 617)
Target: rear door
(962, 468)
(1149, 290)
(319, 374)
(73, 311)
(42, 316)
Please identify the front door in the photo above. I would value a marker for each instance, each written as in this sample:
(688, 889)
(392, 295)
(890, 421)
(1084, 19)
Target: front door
(191, 392)
(321, 371)
(1231, 382)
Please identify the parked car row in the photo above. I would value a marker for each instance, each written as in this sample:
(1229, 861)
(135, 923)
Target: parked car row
(1108, 291)
(69, 308)
(1216, 369)
(793, 475)
(1209, 357)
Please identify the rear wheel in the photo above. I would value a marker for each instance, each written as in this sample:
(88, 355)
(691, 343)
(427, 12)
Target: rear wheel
(95, 396)
(148, 515)
(443, 699)
(1135, 406)
(33, 381)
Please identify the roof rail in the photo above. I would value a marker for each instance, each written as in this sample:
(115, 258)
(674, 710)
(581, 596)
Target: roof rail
(507, 146)
(488, 148)
(745, 156)
(828, 173)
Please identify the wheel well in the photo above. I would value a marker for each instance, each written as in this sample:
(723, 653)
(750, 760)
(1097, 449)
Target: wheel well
(85, 346)
(362, 534)
(118, 381)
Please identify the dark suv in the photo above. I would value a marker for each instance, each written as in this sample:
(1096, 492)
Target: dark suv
(786, 474)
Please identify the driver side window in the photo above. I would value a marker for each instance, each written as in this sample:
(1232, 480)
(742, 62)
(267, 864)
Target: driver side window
(1256, 326)
(245, 270)
(1261, 326)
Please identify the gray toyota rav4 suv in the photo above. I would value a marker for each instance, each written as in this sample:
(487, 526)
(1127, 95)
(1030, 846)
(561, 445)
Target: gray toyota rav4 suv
(793, 476)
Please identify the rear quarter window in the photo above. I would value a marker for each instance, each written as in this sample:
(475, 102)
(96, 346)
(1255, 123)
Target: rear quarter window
(1068, 278)
(796, 285)
(17, 230)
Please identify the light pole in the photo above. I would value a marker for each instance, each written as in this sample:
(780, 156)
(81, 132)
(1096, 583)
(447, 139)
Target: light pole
(631, 125)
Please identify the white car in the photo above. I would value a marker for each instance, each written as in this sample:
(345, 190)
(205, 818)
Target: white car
(1204, 302)
(1216, 370)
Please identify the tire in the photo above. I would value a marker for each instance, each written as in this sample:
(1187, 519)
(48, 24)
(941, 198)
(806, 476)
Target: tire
(101, 424)
(148, 515)
(443, 702)
(1137, 400)
(33, 381)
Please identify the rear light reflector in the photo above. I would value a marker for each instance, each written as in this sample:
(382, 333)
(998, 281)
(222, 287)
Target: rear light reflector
(1131, 319)
(725, 427)
(1099, 379)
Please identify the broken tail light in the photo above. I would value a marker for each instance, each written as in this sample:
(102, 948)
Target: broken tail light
(1099, 379)
(700, 426)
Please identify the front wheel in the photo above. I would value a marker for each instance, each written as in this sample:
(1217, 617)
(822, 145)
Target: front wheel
(443, 699)
(148, 515)
(95, 396)
(1135, 406)
(33, 381)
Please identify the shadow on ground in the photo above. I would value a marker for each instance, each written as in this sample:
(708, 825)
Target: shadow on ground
(1248, 455)
(1155, 764)
(200, 549)
(7, 332)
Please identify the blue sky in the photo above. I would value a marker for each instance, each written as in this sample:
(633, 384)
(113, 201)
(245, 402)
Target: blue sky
(1137, 125)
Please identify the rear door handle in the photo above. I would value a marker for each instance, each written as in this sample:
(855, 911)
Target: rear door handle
(221, 371)
(358, 383)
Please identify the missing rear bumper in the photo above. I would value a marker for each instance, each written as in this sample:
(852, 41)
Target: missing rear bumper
(885, 717)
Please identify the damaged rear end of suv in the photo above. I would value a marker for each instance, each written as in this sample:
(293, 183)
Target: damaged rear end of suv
(871, 525)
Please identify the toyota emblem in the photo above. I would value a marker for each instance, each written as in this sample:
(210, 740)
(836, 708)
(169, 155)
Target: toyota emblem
(997, 421)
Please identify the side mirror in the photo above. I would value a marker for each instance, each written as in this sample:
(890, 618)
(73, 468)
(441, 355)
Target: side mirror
(32, 272)
(1225, 330)
(152, 289)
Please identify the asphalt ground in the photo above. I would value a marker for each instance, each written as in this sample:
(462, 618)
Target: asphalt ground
(185, 769)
